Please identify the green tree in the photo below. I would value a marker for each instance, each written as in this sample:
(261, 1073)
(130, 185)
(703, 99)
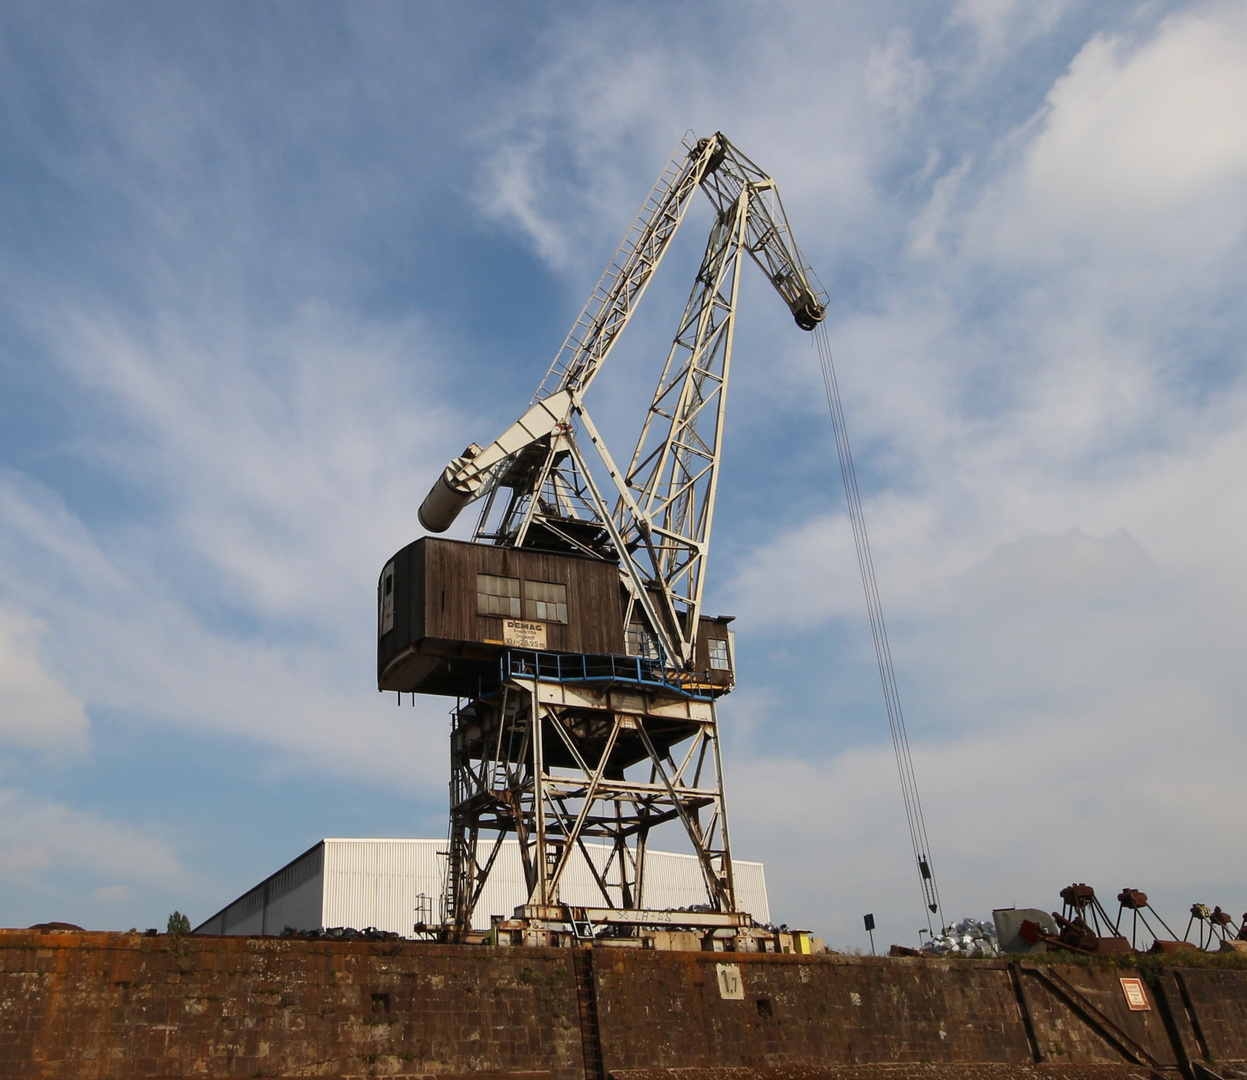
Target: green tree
(178, 924)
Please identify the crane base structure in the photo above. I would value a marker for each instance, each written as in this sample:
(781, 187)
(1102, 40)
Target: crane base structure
(567, 750)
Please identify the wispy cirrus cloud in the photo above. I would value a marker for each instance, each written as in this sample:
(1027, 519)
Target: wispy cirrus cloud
(36, 711)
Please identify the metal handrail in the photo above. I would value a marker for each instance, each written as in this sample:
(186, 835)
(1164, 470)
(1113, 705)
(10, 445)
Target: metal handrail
(586, 667)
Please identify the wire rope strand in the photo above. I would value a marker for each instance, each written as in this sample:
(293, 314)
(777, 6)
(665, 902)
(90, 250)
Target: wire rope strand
(878, 628)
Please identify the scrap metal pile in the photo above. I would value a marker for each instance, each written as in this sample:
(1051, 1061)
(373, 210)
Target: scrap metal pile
(969, 937)
(342, 933)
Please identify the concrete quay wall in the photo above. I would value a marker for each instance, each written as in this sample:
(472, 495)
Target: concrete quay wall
(97, 1006)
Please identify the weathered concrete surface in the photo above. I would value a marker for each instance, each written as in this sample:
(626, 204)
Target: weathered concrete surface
(96, 1006)
(118, 1005)
(1080, 1015)
(803, 1010)
(1209, 1017)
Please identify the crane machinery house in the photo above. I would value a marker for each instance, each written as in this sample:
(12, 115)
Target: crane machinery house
(570, 629)
(451, 611)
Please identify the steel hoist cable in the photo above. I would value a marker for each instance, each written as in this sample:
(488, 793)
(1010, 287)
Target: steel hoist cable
(879, 631)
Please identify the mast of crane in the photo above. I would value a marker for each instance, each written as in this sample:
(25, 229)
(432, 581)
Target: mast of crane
(664, 501)
(546, 757)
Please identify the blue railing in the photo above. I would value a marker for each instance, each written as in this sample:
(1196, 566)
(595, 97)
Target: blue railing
(578, 668)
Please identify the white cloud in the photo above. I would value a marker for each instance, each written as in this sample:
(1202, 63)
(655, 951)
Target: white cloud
(1141, 147)
(1056, 533)
(572, 152)
(42, 840)
(897, 80)
(135, 644)
(277, 448)
(1076, 693)
(1135, 133)
(548, 154)
(1003, 26)
(36, 711)
(810, 574)
(112, 894)
(1013, 812)
(925, 230)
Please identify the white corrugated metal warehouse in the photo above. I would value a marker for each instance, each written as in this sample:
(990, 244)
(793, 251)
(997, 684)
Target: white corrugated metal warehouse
(362, 883)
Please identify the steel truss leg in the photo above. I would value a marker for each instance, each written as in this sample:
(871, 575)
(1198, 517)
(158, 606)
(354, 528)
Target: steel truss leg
(588, 782)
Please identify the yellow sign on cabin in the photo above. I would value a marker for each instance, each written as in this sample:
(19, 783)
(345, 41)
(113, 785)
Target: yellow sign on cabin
(524, 635)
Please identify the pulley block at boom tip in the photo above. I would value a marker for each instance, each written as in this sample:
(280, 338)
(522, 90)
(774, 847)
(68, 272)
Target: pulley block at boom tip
(809, 315)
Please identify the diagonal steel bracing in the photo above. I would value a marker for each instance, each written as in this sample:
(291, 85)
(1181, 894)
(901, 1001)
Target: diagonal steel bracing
(556, 777)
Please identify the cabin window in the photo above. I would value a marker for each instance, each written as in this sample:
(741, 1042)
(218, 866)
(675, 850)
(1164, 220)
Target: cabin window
(640, 642)
(496, 595)
(718, 655)
(545, 601)
(387, 600)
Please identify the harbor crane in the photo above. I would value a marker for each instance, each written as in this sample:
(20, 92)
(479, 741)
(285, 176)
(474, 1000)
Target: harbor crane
(570, 629)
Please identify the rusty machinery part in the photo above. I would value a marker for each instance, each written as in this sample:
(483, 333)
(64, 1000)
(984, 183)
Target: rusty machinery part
(1075, 936)
(1078, 896)
(1135, 901)
(1082, 924)
(1214, 925)
(1200, 915)
(1164, 948)
(1082, 903)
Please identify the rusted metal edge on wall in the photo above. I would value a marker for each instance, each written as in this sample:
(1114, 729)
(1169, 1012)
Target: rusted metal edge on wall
(1191, 1014)
(585, 972)
(1028, 1023)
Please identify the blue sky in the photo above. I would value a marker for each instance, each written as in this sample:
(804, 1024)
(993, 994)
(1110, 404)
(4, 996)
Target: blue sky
(265, 268)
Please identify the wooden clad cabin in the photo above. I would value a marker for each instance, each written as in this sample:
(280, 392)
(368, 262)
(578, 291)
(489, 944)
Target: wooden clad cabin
(448, 609)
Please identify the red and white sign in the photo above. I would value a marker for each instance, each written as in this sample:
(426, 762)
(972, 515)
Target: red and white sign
(1136, 997)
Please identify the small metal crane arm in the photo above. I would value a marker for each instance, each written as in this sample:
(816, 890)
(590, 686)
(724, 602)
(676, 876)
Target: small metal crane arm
(659, 529)
(612, 303)
(768, 237)
(464, 479)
